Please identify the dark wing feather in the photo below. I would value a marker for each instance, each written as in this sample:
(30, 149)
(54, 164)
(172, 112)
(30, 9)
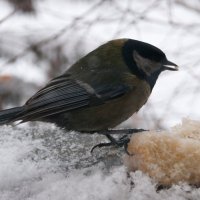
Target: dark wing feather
(110, 92)
(64, 94)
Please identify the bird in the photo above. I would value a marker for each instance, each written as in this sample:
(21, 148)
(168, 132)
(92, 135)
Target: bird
(99, 91)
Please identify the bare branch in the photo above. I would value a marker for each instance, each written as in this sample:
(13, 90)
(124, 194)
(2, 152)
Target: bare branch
(8, 16)
(188, 6)
(54, 37)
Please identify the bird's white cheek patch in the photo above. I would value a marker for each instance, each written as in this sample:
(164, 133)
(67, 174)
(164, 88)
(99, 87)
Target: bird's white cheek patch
(146, 65)
(168, 157)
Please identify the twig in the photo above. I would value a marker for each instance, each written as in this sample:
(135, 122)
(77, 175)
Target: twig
(186, 5)
(7, 16)
(55, 36)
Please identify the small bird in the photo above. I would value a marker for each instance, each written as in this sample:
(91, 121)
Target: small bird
(99, 91)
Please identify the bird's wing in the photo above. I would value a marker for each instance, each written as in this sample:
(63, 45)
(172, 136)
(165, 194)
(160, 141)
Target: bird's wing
(64, 94)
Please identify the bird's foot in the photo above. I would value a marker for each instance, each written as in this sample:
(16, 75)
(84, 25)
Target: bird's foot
(123, 141)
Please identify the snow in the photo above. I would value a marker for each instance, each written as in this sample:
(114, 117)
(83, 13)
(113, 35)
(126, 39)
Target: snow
(37, 164)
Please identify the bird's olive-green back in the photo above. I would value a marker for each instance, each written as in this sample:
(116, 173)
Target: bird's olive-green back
(103, 65)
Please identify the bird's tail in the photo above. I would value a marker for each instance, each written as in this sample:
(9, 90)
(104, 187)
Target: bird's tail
(10, 115)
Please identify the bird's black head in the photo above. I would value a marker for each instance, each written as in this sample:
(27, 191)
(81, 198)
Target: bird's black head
(146, 61)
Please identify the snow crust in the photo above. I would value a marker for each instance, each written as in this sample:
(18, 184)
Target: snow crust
(40, 162)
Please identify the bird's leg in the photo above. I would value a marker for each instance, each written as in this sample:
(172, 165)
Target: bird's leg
(123, 141)
(116, 132)
(121, 131)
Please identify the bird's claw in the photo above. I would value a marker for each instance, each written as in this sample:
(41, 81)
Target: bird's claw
(100, 145)
(123, 141)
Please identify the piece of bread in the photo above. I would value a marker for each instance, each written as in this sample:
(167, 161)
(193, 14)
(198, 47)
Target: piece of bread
(169, 157)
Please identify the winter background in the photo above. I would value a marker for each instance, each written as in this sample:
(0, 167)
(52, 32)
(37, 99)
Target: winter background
(39, 40)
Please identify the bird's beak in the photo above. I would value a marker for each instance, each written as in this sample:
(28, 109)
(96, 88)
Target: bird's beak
(168, 65)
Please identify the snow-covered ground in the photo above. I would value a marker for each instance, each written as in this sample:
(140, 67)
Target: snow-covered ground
(83, 25)
(40, 161)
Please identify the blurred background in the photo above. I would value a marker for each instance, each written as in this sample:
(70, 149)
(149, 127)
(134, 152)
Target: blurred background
(40, 39)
